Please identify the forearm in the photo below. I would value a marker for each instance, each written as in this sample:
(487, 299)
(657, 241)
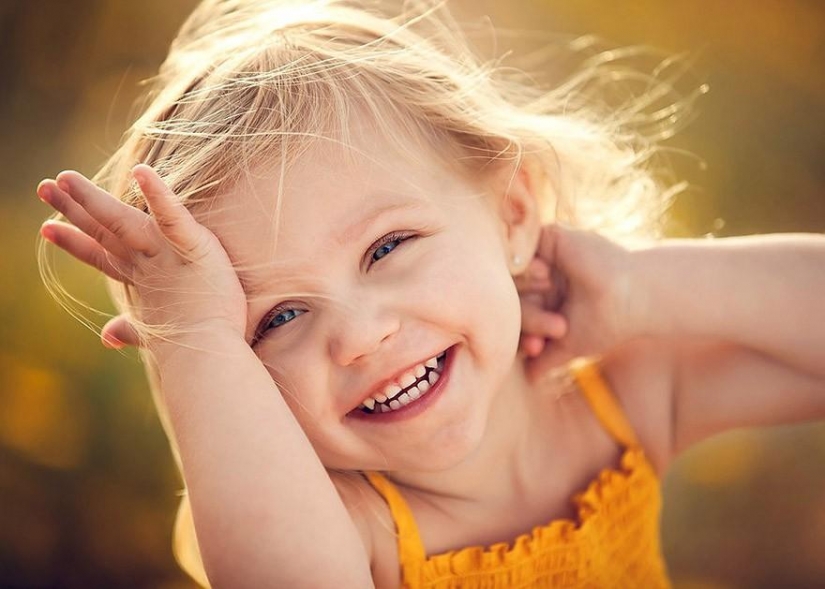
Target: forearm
(264, 508)
(763, 292)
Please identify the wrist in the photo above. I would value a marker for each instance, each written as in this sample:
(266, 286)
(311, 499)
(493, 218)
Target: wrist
(190, 341)
(648, 281)
(684, 285)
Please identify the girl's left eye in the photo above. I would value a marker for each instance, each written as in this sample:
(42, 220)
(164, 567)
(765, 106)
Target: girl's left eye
(385, 245)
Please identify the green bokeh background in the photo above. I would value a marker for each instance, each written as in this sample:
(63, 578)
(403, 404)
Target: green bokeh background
(87, 486)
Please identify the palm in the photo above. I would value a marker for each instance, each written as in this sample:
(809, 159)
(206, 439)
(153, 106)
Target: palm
(176, 268)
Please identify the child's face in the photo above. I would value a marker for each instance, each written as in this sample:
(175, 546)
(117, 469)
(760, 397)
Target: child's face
(380, 265)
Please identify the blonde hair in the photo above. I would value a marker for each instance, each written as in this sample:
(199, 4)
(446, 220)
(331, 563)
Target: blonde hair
(252, 79)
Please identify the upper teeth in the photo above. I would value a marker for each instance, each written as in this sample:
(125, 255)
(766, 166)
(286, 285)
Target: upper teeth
(423, 376)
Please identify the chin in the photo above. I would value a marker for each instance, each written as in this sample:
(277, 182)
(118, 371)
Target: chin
(454, 444)
(443, 450)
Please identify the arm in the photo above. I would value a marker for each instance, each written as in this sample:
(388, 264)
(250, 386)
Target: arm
(733, 329)
(265, 510)
(752, 312)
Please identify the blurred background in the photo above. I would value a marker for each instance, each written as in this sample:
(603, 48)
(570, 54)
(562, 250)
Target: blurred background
(87, 485)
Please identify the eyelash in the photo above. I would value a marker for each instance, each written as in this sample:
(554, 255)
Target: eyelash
(397, 236)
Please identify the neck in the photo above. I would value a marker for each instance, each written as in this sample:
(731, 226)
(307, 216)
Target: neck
(525, 437)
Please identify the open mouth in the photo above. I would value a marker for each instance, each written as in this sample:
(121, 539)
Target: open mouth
(415, 383)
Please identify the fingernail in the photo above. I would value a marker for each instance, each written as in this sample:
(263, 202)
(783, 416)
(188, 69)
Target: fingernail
(112, 343)
(47, 232)
(44, 193)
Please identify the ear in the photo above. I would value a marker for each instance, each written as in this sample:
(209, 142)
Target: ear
(517, 198)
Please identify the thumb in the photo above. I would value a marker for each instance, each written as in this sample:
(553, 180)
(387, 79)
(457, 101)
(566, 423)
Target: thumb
(118, 333)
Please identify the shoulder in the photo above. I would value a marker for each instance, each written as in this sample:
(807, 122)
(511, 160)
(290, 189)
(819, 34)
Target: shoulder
(640, 374)
(375, 525)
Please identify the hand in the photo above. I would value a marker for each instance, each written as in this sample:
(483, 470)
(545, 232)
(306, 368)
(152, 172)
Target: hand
(177, 269)
(577, 298)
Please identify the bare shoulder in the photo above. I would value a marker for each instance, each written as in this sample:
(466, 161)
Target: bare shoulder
(640, 373)
(374, 521)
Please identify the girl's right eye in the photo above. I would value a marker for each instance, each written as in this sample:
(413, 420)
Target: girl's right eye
(283, 317)
(278, 317)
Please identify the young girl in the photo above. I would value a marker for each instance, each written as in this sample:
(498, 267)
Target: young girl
(319, 258)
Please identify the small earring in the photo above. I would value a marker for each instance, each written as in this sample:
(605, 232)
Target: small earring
(516, 260)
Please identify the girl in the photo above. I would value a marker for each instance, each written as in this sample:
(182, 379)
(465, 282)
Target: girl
(319, 255)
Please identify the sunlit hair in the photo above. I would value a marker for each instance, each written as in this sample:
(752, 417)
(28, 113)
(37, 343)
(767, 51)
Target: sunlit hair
(252, 79)
(248, 81)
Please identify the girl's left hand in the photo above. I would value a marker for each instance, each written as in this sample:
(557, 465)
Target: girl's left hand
(577, 298)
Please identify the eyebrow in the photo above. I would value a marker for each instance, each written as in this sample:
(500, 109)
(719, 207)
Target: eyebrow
(252, 284)
(350, 233)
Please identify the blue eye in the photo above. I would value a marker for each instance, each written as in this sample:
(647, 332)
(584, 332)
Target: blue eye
(387, 244)
(283, 317)
(279, 316)
(385, 249)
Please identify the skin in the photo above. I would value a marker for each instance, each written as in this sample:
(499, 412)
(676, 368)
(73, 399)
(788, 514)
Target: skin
(682, 369)
(361, 323)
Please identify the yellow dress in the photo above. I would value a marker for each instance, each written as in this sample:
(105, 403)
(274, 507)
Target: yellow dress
(613, 544)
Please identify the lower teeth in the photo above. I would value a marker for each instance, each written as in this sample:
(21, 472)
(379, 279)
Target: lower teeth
(424, 386)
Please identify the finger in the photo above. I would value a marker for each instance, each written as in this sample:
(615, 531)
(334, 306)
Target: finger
(535, 278)
(174, 220)
(556, 296)
(531, 345)
(539, 322)
(548, 243)
(84, 248)
(119, 333)
(126, 223)
(50, 193)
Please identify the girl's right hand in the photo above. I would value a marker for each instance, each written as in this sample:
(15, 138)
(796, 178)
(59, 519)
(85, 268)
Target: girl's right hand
(180, 273)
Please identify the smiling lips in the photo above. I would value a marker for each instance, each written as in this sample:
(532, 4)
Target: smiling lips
(407, 388)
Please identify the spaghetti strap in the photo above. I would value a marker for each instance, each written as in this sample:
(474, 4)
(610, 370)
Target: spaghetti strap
(602, 401)
(410, 548)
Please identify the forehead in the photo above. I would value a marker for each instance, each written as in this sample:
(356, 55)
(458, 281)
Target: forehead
(326, 198)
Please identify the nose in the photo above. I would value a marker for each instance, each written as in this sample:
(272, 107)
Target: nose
(359, 330)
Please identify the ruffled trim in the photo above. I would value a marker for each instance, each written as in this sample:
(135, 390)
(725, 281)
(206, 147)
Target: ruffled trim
(608, 492)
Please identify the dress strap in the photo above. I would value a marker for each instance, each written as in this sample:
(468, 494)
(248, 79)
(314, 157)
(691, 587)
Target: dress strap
(410, 548)
(602, 401)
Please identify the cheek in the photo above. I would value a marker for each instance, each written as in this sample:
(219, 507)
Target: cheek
(497, 315)
(472, 290)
